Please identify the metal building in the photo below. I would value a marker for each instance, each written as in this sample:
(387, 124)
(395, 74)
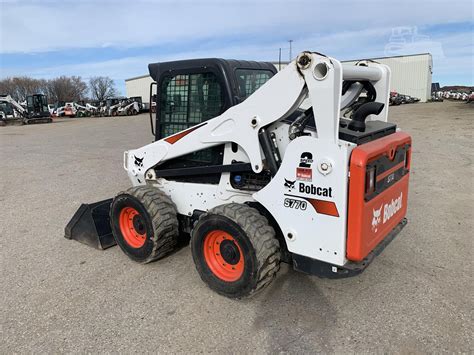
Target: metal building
(411, 74)
(140, 86)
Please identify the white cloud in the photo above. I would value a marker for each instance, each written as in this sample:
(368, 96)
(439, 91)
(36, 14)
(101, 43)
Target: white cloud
(231, 29)
(47, 26)
(333, 44)
(453, 54)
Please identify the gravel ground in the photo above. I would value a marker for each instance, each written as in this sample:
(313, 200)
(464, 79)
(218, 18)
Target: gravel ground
(61, 296)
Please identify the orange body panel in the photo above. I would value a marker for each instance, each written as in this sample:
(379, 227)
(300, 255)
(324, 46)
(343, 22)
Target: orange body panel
(370, 221)
(68, 112)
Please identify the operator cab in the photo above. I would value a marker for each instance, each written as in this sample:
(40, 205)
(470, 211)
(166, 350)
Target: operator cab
(190, 92)
(37, 106)
(193, 91)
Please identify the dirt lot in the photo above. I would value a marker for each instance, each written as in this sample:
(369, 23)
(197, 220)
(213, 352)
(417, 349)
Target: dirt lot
(61, 296)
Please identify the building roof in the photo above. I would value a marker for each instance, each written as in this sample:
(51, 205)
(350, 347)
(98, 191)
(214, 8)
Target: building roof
(388, 57)
(138, 77)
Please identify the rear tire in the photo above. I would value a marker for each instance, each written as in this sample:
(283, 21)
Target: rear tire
(235, 250)
(144, 223)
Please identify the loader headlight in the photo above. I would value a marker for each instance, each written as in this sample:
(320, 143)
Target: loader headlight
(370, 180)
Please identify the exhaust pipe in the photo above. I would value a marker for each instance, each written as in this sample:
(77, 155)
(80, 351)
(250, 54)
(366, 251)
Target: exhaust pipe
(358, 117)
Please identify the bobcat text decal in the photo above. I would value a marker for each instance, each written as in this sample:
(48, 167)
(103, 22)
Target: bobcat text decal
(315, 190)
(391, 208)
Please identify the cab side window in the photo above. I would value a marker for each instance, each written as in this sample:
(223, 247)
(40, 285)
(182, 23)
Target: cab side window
(189, 99)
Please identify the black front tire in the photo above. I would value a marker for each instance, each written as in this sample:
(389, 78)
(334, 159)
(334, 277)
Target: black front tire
(158, 219)
(256, 240)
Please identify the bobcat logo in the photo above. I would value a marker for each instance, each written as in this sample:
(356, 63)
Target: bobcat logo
(290, 184)
(138, 161)
(377, 218)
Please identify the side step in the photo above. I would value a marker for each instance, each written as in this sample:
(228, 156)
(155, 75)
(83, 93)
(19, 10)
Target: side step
(91, 225)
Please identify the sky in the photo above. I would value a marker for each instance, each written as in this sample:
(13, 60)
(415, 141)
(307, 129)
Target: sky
(46, 39)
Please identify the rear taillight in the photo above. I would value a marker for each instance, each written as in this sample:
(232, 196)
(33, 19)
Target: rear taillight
(370, 181)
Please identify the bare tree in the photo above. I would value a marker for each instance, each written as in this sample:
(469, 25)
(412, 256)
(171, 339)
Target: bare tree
(79, 88)
(102, 88)
(66, 88)
(7, 87)
(62, 88)
(20, 87)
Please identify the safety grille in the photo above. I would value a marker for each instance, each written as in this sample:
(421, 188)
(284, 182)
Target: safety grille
(187, 100)
(250, 80)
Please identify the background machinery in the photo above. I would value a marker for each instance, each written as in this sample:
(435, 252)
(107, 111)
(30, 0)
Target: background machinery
(259, 167)
(7, 110)
(69, 110)
(36, 110)
(110, 106)
(138, 100)
(128, 107)
(120, 107)
(85, 109)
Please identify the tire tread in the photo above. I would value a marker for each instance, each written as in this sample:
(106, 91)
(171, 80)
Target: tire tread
(164, 219)
(262, 237)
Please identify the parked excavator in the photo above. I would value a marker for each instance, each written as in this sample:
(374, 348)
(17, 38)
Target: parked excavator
(36, 110)
(259, 168)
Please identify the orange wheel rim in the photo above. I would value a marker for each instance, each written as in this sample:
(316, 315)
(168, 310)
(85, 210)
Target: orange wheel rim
(223, 256)
(132, 227)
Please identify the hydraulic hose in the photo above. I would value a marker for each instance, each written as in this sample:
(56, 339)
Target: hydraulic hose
(358, 117)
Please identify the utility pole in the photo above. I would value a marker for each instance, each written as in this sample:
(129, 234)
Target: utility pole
(291, 54)
(279, 59)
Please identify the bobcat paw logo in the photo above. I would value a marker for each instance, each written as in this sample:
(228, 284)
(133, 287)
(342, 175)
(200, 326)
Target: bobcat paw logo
(377, 218)
(290, 184)
(138, 161)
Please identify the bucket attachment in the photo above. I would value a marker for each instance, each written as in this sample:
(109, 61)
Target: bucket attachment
(91, 225)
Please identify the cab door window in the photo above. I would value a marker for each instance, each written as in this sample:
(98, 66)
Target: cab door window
(189, 99)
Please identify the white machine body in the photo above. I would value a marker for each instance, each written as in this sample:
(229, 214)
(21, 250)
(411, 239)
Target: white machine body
(313, 175)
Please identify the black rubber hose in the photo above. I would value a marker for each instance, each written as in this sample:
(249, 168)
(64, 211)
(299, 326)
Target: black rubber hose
(358, 117)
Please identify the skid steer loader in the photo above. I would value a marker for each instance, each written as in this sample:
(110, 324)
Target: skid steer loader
(259, 168)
